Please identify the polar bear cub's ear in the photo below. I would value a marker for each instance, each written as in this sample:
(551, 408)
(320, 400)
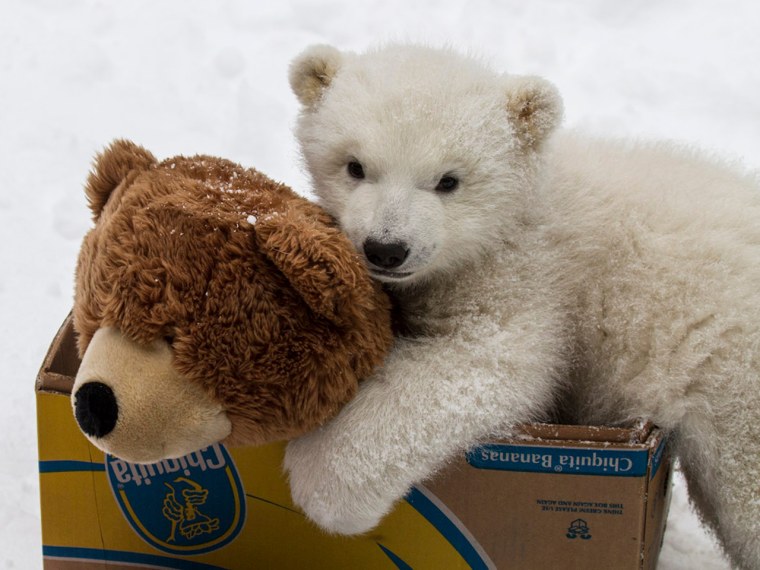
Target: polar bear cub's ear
(312, 71)
(534, 107)
(110, 168)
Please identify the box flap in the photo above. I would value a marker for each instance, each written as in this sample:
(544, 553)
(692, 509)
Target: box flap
(61, 362)
(635, 434)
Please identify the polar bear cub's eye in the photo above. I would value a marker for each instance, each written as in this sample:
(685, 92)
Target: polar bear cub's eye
(355, 169)
(447, 184)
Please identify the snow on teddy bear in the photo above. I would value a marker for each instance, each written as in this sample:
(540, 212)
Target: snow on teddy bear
(528, 265)
(213, 303)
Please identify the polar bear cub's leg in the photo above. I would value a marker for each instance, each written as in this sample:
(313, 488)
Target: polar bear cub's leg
(718, 443)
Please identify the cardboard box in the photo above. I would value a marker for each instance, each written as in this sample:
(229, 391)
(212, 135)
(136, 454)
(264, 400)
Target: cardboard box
(555, 496)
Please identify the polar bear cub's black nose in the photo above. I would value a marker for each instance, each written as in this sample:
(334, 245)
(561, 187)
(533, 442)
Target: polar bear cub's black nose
(385, 255)
(96, 409)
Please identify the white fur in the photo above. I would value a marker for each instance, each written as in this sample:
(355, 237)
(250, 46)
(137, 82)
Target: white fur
(621, 276)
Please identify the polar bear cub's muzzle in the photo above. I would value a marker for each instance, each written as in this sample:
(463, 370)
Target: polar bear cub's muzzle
(130, 401)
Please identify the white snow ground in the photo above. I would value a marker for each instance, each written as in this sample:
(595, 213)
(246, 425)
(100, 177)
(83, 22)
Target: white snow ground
(189, 76)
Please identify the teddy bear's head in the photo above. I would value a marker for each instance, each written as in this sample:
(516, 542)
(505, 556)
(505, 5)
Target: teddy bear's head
(213, 304)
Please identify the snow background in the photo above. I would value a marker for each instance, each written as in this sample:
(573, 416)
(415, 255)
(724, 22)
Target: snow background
(190, 77)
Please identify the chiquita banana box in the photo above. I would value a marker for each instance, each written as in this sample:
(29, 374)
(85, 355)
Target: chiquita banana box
(558, 496)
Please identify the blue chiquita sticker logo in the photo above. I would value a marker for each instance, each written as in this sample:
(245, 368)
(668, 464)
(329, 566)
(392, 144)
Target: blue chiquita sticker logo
(191, 505)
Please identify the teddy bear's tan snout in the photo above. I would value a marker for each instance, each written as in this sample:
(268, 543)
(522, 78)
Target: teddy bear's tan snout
(131, 402)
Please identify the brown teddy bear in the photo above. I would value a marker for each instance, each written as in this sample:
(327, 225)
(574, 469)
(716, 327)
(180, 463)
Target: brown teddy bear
(213, 304)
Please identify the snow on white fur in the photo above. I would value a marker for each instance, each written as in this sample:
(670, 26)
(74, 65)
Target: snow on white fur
(529, 265)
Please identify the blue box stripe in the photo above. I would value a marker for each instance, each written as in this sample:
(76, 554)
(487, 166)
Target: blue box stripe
(658, 455)
(395, 558)
(95, 554)
(67, 466)
(447, 528)
(560, 460)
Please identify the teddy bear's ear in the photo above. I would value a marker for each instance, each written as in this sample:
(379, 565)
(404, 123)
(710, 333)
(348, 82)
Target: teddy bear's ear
(534, 107)
(318, 260)
(312, 71)
(110, 168)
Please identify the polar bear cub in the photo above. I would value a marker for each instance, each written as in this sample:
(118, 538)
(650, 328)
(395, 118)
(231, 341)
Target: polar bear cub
(529, 264)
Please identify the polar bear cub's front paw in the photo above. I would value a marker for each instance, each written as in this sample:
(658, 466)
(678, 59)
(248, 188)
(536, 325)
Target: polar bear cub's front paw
(330, 489)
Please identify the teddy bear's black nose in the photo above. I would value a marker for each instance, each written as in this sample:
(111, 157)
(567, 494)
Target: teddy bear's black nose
(96, 409)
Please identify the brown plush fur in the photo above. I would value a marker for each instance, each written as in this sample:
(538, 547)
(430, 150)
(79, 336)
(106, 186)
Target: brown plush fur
(277, 319)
